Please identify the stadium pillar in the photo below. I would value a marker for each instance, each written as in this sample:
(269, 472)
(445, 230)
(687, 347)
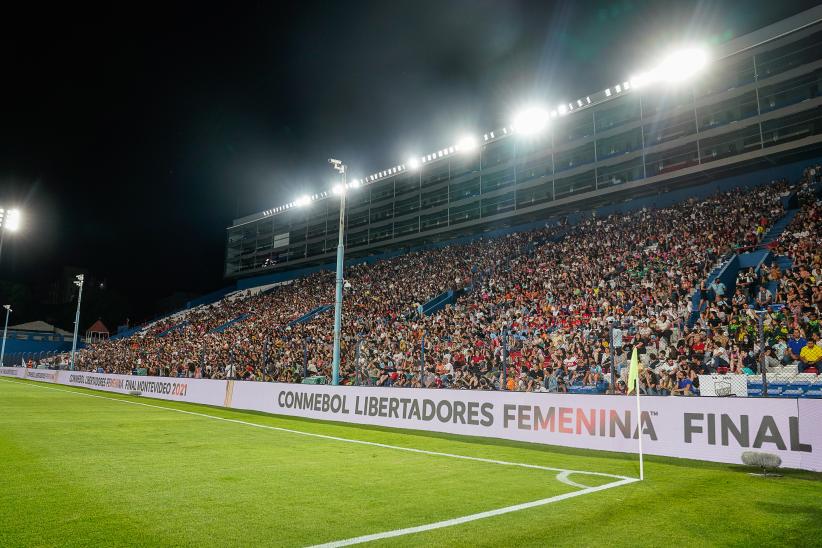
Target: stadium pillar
(503, 373)
(357, 365)
(305, 358)
(760, 319)
(422, 358)
(335, 364)
(612, 352)
(78, 283)
(5, 332)
(264, 358)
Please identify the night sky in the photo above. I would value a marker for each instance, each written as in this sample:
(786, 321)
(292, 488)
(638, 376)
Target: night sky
(131, 136)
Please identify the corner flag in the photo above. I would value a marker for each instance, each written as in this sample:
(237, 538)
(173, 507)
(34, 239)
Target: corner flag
(633, 373)
(633, 384)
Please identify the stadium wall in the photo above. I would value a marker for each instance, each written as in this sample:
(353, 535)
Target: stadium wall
(713, 429)
(34, 346)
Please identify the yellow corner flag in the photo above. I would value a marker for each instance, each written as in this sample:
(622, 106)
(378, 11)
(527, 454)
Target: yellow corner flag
(633, 373)
(633, 383)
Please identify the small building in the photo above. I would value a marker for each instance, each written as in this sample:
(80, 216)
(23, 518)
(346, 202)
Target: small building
(97, 332)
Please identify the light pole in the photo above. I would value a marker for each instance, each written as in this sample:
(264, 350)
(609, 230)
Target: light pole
(335, 364)
(5, 331)
(79, 283)
(9, 220)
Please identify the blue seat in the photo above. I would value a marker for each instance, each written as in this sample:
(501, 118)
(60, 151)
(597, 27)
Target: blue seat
(799, 383)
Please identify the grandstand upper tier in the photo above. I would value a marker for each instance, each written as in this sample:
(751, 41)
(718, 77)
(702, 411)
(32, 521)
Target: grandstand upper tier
(756, 105)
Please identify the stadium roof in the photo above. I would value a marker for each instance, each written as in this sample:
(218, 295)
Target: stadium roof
(98, 327)
(40, 327)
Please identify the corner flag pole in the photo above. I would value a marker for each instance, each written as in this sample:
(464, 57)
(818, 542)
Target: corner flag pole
(639, 425)
(633, 375)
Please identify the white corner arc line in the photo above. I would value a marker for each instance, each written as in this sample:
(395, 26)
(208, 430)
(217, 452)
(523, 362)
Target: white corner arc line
(472, 517)
(562, 476)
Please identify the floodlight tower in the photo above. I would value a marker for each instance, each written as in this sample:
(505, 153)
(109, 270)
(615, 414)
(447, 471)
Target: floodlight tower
(79, 283)
(9, 221)
(341, 190)
(5, 331)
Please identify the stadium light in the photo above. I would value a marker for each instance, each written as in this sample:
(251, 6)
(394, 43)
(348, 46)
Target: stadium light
(302, 201)
(338, 189)
(5, 331)
(340, 168)
(675, 67)
(10, 220)
(466, 144)
(413, 163)
(79, 283)
(531, 120)
(682, 64)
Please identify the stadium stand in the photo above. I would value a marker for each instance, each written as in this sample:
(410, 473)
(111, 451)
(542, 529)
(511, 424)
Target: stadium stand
(533, 311)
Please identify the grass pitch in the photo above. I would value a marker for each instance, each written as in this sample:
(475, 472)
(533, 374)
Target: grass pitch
(81, 471)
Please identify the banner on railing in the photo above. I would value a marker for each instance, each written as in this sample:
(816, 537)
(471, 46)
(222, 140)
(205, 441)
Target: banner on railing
(714, 429)
(12, 372)
(42, 375)
(723, 386)
(206, 391)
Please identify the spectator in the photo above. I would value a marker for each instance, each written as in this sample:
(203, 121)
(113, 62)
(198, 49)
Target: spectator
(684, 385)
(810, 356)
(796, 343)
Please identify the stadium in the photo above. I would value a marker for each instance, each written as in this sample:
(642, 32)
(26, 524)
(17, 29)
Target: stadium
(598, 323)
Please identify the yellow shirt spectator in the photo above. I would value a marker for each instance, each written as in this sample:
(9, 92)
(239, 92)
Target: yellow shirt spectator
(810, 353)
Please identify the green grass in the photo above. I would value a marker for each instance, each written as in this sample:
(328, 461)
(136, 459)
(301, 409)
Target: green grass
(81, 471)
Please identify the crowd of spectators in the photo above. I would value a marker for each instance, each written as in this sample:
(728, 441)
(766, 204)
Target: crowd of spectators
(544, 311)
(793, 331)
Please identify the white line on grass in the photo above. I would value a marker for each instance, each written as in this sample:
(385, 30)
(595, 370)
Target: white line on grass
(561, 476)
(472, 517)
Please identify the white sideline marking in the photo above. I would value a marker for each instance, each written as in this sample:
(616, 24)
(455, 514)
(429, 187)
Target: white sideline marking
(562, 476)
(472, 517)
